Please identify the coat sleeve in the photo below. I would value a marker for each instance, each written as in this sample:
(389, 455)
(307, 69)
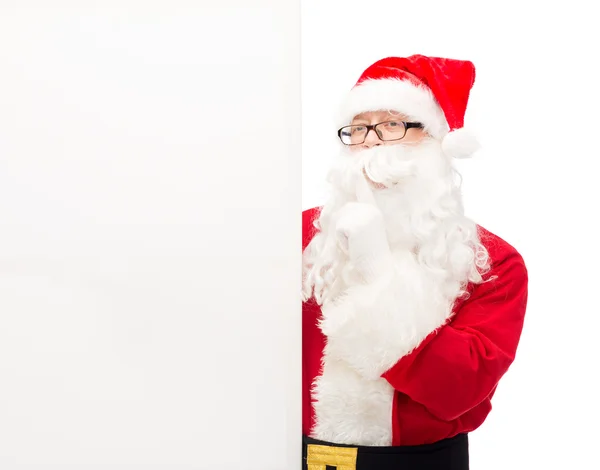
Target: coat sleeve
(458, 366)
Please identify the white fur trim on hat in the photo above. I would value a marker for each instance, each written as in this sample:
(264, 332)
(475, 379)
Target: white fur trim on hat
(460, 143)
(416, 102)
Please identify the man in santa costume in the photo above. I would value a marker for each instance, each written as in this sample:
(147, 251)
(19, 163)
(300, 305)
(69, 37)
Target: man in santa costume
(412, 312)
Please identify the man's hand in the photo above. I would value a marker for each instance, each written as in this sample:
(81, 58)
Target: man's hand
(360, 232)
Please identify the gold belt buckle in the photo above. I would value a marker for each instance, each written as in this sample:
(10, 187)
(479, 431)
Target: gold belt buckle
(320, 456)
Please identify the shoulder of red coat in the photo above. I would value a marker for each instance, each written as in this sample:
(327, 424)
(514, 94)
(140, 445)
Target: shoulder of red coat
(498, 249)
(308, 228)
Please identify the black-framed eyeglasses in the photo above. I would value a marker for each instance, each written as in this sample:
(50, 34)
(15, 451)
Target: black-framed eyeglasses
(386, 131)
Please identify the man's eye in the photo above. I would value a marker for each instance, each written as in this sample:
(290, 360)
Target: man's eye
(358, 129)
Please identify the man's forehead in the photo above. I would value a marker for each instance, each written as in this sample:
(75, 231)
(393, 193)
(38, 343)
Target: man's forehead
(381, 114)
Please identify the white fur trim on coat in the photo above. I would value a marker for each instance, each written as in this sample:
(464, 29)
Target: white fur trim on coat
(418, 103)
(350, 409)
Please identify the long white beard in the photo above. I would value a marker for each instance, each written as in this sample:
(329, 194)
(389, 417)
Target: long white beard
(422, 208)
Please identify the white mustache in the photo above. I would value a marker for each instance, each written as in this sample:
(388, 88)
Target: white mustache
(389, 173)
(388, 166)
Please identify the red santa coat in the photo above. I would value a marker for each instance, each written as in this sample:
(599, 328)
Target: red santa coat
(445, 385)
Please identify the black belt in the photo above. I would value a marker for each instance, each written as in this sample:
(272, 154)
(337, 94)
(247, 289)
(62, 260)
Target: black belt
(447, 454)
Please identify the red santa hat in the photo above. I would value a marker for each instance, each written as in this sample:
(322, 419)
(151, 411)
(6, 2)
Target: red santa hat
(431, 90)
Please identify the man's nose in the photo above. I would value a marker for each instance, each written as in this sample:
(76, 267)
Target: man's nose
(372, 139)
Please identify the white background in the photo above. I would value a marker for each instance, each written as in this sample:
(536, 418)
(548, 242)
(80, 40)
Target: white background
(535, 183)
(149, 235)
